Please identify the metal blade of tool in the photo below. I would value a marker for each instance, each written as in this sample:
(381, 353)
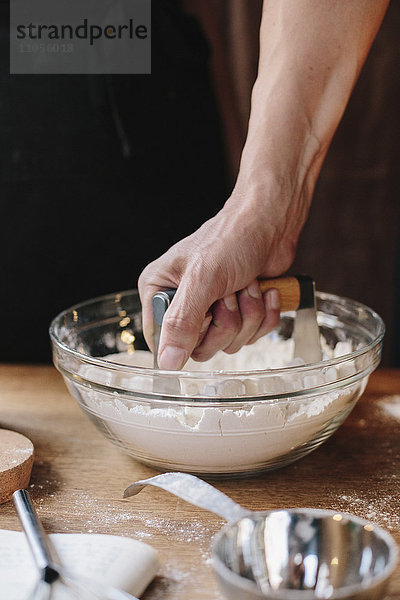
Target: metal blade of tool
(160, 303)
(307, 344)
(306, 336)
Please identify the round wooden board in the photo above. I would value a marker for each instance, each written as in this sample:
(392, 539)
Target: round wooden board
(16, 460)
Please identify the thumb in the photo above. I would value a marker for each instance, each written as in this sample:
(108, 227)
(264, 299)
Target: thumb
(182, 325)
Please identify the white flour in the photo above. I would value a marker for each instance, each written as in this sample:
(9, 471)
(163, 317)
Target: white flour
(391, 406)
(233, 435)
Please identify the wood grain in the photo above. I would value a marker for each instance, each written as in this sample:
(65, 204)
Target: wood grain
(78, 478)
(288, 288)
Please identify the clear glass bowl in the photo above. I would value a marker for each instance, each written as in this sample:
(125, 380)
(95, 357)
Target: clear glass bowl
(213, 423)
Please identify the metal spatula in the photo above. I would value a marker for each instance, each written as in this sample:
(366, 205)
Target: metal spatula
(296, 293)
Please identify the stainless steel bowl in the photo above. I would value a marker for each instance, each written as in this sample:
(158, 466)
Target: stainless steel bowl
(303, 554)
(213, 423)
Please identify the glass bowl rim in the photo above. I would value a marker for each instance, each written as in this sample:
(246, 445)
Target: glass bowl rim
(217, 375)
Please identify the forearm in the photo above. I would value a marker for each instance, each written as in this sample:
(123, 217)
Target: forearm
(311, 53)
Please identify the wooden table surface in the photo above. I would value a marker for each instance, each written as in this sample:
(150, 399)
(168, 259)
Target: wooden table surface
(78, 478)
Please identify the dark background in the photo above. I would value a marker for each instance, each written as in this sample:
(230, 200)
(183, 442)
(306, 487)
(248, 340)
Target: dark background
(351, 240)
(99, 175)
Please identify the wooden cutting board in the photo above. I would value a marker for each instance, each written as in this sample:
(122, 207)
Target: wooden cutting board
(16, 460)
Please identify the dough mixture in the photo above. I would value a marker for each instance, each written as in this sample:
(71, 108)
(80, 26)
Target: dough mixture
(202, 436)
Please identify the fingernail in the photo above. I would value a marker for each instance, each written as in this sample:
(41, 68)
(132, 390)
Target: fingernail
(254, 289)
(274, 300)
(172, 358)
(231, 302)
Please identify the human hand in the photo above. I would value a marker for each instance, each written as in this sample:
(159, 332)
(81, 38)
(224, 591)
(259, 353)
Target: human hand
(218, 303)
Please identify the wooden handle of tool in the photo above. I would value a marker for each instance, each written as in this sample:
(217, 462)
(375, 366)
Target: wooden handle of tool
(295, 292)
